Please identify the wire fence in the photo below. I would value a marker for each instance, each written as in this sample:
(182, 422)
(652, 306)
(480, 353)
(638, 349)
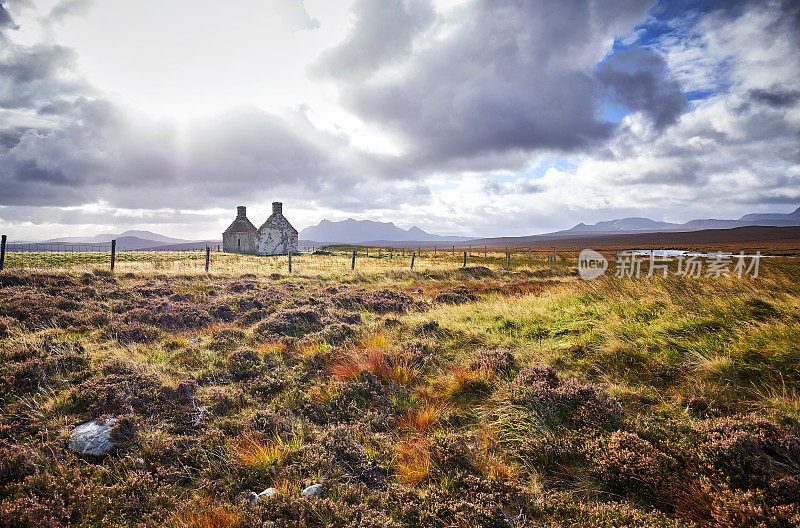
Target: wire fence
(54, 255)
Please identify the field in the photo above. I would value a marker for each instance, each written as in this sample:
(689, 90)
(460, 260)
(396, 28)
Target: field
(445, 396)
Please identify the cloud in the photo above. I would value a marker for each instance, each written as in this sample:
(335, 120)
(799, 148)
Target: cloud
(639, 79)
(66, 8)
(468, 93)
(776, 98)
(297, 15)
(5, 18)
(383, 32)
(104, 152)
(488, 80)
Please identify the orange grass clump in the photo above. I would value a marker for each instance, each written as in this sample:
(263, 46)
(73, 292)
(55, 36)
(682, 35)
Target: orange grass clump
(251, 452)
(377, 340)
(412, 462)
(206, 514)
(272, 348)
(423, 420)
(462, 385)
(387, 369)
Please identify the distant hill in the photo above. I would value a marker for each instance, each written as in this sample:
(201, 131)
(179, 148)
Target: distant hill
(155, 238)
(360, 231)
(763, 236)
(645, 224)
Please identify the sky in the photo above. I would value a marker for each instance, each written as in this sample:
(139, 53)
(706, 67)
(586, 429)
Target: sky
(462, 117)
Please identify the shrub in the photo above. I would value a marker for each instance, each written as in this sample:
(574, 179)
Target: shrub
(457, 295)
(5, 326)
(226, 339)
(349, 456)
(124, 388)
(135, 332)
(182, 316)
(380, 301)
(244, 364)
(568, 403)
(269, 423)
(15, 464)
(750, 451)
(293, 322)
(626, 464)
(363, 398)
(500, 361)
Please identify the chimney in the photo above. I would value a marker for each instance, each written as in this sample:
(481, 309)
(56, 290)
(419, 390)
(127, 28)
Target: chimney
(241, 212)
(277, 208)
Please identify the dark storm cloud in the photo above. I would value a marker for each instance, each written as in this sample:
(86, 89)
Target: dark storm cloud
(495, 77)
(5, 18)
(776, 98)
(638, 79)
(384, 32)
(34, 75)
(515, 188)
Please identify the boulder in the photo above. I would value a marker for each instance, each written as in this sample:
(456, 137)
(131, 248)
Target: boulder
(269, 492)
(93, 438)
(249, 498)
(312, 492)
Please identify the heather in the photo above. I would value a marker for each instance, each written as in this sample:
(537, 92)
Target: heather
(475, 397)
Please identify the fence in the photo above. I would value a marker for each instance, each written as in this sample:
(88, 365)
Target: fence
(65, 254)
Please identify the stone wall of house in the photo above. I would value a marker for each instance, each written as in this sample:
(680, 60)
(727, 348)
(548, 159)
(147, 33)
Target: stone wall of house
(240, 242)
(241, 236)
(277, 236)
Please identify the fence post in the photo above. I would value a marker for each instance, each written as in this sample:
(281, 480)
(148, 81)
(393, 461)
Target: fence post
(470, 251)
(484, 251)
(353, 263)
(208, 257)
(404, 252)
(113, 253)
(465, 260)
(289, 252)
(529, 253)
(412, 261)
(508, 258)
(434, 250)
(454, 250)
(2, 251)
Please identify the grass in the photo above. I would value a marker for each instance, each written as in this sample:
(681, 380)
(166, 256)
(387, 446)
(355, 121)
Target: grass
(629, 402)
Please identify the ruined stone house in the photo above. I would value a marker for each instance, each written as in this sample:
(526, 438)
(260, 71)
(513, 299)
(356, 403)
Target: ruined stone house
(276, 236)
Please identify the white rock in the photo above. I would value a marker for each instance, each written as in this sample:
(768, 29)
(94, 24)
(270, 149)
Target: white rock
(248, 497)
(269, 492)
(313, 491)
(93, 438)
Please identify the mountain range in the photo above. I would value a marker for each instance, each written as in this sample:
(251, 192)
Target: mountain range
(108, 237)
(635, 224)
(361, 231)
(352, 231)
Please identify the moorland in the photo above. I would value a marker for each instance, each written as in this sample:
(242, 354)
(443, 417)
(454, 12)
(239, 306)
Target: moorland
(448, 396)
